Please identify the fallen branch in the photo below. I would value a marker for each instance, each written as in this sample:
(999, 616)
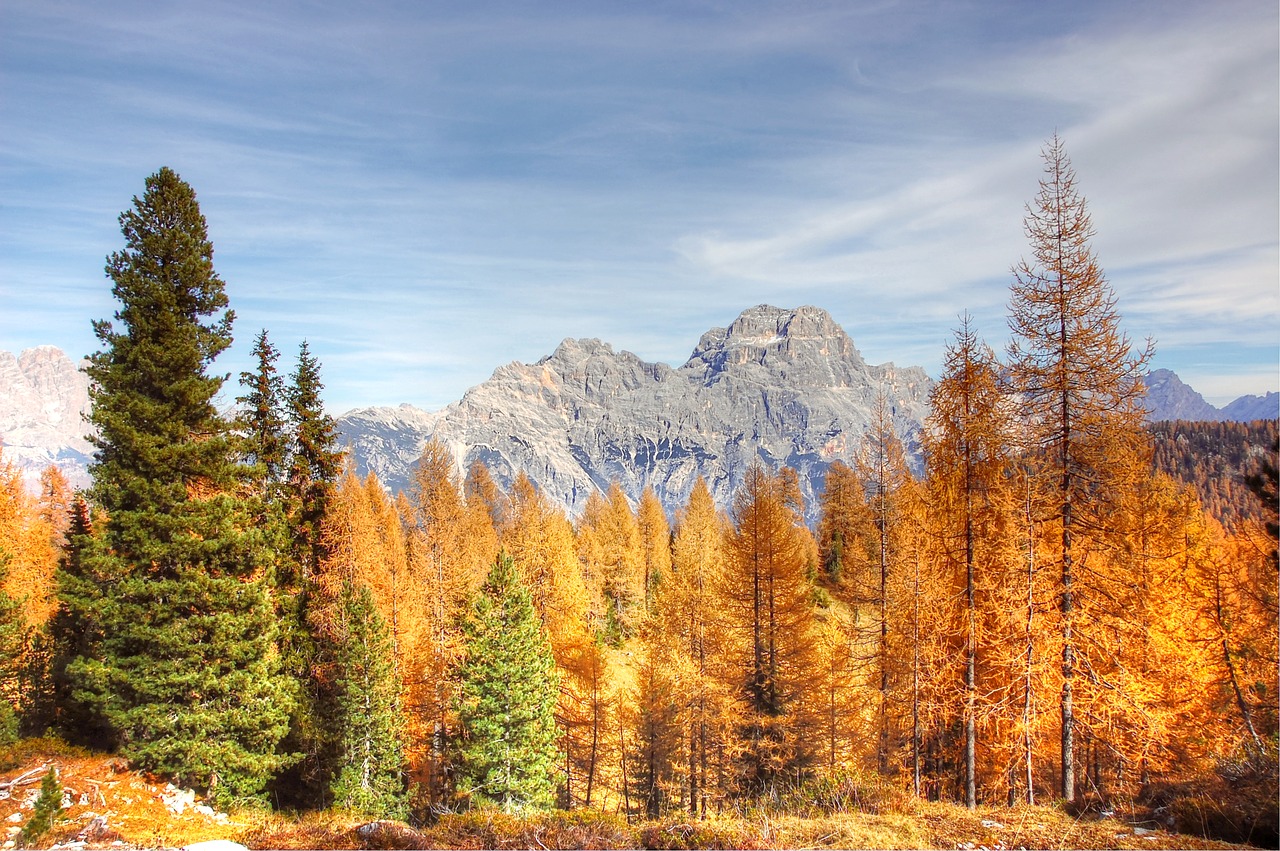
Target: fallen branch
(7, 787)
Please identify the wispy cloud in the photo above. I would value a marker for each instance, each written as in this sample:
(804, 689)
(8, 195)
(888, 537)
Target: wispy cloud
(426, 192)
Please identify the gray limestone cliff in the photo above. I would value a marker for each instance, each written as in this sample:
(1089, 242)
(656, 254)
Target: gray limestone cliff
(783, 386)
(43, 399)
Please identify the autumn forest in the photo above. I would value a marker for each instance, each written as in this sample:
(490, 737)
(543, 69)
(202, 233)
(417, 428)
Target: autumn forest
(1051, 612)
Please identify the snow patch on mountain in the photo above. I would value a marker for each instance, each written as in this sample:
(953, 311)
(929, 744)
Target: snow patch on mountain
(44, 398)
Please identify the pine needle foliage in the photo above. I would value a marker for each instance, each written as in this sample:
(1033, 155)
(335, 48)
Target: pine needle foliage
(175, 589)
(507, 753)
(315, 462)
(46, 811)
(370, 725)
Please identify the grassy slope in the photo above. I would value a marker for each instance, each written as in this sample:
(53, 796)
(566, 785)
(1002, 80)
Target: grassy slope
(136, 815)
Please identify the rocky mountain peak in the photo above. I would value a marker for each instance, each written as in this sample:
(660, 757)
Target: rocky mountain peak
(1168, 398)
(804, 346)
(43, 400)
(778, 386)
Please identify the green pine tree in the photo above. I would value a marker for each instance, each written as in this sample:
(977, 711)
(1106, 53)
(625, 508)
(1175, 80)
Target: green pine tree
(44, 816)
(262, 418)
(316, 462)
(369, 723)
(74, 633)
(311, 466)
(507, 753)
(176, 589)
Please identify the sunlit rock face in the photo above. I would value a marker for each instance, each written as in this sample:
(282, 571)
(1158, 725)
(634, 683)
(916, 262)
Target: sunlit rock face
(43, 399)
(783, 386)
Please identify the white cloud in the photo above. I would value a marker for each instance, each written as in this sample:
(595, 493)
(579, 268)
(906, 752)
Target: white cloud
(430, 191)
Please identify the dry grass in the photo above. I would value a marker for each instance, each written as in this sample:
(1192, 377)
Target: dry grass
(136, 815)
(100, 786)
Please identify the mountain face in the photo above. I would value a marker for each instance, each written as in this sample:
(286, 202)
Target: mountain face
(43, 399)
(1169, 399)
(1250, 408)
(784, 386)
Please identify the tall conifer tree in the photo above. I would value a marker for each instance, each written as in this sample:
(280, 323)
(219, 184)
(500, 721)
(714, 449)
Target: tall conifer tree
(1081, 385)
(369, 723)
(315, 462)
(768, 601)
(968, 458)
(262, 422)
(185, 671)
(689, 606)
(507, 699)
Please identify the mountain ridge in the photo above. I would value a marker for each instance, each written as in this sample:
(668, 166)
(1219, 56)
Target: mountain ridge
(787, 386)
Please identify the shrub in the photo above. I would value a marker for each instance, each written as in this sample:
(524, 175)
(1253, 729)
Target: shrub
(48, 808)
(844, 793)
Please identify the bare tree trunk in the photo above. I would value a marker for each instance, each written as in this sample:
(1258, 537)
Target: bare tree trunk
(970, 661)
(626, 795)
(1219, 616)
(915, 681)
(1027, 705)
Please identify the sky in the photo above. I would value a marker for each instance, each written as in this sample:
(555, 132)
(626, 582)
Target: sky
(424, 191)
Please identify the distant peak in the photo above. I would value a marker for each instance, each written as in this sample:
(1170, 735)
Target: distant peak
(574, 349)
(765, 333)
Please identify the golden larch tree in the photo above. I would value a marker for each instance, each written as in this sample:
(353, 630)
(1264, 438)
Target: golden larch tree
(611, 552)
(449, 549)
(1081, 388)
(687, 606)
(882, 466)
(655, 541)
(973, 518)
(767, 601)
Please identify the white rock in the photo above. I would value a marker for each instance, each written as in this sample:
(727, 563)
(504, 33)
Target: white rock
(215, 845)
(42, 397)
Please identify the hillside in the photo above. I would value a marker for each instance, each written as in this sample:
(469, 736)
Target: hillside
(108, 806)
(1215, 458)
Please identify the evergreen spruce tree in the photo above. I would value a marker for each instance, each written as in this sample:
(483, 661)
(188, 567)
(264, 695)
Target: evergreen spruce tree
(182, 668)
(315, 465)
(369, 723)
(74, 633)
(45, 813)
(300, 501)
(262, 420)
(507, 699)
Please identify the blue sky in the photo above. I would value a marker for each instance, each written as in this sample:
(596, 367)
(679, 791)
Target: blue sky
(427, 190)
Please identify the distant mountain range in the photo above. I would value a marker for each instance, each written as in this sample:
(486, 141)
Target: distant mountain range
(1168, 398)
(784, 386)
